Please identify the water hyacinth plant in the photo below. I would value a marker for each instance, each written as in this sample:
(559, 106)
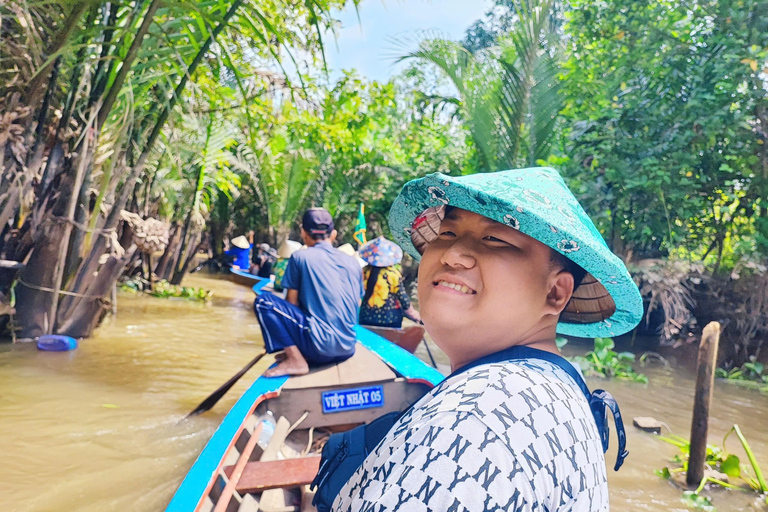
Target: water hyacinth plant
(163, 289)
(724, 469)
(605, 362)
(751, 374)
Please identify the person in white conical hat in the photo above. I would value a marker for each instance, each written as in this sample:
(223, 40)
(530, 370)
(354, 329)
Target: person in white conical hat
(240, 252)
(350, 251)
(284, 253)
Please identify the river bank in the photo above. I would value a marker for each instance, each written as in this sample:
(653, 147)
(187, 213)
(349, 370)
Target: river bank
(98, 429)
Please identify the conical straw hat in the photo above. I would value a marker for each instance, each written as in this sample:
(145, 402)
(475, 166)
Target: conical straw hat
(537, 203)
(241, 242)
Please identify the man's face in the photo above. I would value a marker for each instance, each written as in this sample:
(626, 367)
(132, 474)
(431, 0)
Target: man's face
(483, 286)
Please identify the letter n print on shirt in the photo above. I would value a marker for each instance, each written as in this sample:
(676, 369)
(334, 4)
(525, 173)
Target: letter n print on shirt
(458, 448)
(485, 472)
(531, 456)
(383, 471)
(516, 502)
(428, 489)
(506, 417)
(530, 398)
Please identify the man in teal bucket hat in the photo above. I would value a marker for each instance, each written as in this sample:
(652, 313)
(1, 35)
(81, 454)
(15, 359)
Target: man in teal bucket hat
(508, 260)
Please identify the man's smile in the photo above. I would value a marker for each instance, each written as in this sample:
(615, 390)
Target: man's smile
(451, 284)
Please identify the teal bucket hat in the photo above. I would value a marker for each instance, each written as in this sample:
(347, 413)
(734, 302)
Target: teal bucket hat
(536, 202)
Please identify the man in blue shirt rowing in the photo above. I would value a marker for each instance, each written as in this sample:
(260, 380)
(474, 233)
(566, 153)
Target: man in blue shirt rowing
(314, 325)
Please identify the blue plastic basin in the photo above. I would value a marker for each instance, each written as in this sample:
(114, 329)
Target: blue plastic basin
(56, 343)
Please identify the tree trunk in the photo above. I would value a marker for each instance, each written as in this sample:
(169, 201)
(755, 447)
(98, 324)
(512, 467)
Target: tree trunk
(88, 313)
(183, 266)
(39, 273)
(170, 250)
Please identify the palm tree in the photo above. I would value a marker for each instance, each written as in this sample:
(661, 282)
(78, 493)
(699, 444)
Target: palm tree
(87, 90)
(508, 93)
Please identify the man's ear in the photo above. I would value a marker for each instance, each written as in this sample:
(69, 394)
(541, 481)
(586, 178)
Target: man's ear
(333, 235)
(560, 291)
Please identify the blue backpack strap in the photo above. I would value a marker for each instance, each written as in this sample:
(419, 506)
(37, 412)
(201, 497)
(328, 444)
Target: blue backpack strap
(599, 400)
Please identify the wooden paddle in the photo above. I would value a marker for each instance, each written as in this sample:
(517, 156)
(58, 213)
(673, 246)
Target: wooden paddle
(426, 346)
(216, 395)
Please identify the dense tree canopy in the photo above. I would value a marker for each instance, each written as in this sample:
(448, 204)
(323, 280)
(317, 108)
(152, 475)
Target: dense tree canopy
(665, 123)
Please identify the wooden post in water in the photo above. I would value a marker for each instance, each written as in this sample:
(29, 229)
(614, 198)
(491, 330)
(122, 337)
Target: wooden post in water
(705, 378)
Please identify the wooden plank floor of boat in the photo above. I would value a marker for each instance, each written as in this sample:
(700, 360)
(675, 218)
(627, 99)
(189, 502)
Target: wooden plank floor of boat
(361, 368)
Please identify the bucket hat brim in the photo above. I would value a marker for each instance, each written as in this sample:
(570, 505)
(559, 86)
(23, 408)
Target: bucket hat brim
(381, 252)
(537, 203)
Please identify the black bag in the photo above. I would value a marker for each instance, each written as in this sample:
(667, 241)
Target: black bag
(345, 452)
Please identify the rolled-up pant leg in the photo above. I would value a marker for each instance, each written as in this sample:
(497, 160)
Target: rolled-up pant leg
(282, 324)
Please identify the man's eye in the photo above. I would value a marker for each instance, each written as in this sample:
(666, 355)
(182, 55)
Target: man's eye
(447, 233)
(497, 240)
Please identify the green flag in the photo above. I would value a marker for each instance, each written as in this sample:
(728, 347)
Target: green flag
(359, 235)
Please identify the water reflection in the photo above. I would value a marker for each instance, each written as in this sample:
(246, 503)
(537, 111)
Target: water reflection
(98, 429)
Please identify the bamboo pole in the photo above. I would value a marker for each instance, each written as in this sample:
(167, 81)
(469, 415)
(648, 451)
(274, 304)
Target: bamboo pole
(705, 378)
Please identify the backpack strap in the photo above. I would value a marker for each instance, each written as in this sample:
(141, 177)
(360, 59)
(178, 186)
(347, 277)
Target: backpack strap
(599, 400)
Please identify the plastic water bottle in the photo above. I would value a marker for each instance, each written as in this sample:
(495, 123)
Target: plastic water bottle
(268, 423)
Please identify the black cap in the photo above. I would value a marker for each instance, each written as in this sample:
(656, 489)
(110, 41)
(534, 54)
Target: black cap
(317, 221)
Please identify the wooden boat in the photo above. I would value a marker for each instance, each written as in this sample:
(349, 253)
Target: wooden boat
(263, 284)
(234, 474)
(407, 338)
(244, 278)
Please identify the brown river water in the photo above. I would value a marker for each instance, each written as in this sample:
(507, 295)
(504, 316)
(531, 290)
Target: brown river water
(98, 428)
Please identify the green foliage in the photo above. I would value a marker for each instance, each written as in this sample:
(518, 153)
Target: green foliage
(696, 500)
(509, 94)
(663, 104)
(360, 143)
(165, 290)
(720, 460)
(603, 361)
(750, 374)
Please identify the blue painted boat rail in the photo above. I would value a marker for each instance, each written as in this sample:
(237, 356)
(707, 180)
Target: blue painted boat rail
(244, 273)
(261, 284)
(202, 472)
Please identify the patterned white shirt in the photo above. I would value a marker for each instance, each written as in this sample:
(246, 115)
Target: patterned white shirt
(511, 436)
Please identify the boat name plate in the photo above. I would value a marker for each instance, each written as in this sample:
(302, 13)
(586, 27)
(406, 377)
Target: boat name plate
(352, 399)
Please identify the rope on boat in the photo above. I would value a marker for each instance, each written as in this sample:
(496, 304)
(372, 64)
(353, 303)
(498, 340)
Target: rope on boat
(308, 449)
(298, 422)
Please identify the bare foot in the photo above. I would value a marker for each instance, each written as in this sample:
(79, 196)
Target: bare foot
(287, 367)
(280, 356)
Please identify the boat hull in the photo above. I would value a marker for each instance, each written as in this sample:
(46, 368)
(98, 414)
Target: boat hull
(411, 378)
(244, 278)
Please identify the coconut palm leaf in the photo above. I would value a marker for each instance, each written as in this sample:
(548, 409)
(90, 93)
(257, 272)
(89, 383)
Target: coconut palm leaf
(508, 94)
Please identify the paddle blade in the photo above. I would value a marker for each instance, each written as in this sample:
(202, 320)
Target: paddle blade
(216, 395)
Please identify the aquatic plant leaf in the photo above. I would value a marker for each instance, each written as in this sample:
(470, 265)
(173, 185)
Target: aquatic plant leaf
(695, 500)
(626, 356)
(663, 473)
(731, 466)
(603, 344)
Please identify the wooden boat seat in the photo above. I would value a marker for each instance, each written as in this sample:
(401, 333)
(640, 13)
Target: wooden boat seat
(276, 474)
(362, 368)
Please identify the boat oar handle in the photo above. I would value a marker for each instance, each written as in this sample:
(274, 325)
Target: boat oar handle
(216, 395)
